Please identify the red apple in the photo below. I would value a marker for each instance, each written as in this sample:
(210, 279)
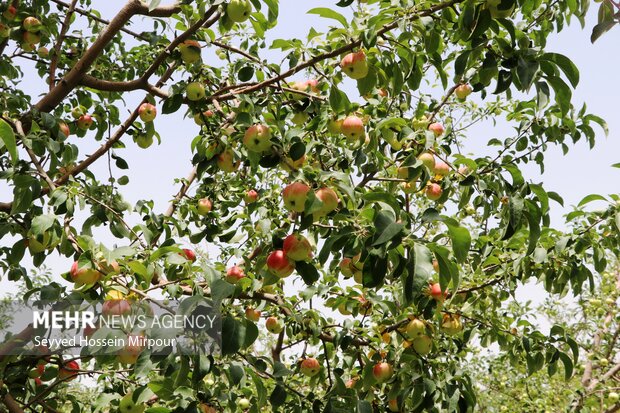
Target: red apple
(355, 65)
(393, 405)
(147, 112)
(64, 128)
(435, 292)
(251, 196)
(10, 13)
(85, 121)
(295, 195)
(83, 275)
(189, 254)
(297, 248)
(345, 267)
(116, 307)
(310, 367)
(5, 31)
(234, 274)
(353, 128)
(204, 206)
(433, 191)
(330, 201)
(252, 314)
(273, 325)
(279, 265)
(134, 345)
(382, 371)
(198, 117)
(257, 138)
(68, 371)
(436, 128)
(441, 168)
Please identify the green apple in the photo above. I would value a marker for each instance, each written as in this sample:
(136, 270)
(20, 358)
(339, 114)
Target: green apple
(190, 51)
(226, 161)
(127, 405)
(500, 9)
(297, 248)
(416, 328)
(144, 140)
(239, 10)
(299, 118)
(195, 91)
(422, 345)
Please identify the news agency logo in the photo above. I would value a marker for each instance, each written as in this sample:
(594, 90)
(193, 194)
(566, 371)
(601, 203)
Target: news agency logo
(124, 328)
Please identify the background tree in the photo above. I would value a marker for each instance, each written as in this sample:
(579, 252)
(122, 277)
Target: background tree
(333, 182)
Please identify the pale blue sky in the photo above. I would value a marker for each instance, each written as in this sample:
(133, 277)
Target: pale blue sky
(581, 172)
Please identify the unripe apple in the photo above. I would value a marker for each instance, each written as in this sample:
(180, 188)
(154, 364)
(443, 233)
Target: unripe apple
(295, 195)
(441, 168)
(345, 267)
(31, 24)
(299, 118)
(204, 206)
(190, 51)
(250, 196)
(273, 325)
(353, 128)
(436, 128)
(252, 314)
(239, 10)
(422, 345)
(433, 191)
(334, 126)
(83, 275)
(428, 160)
(330, 201)
(147, 112)
(10, 13)
(85, 122)
(144, 140)
(297, 248)
(134, 345)
(226, 161)
(310, 367)
(188, 254)
(355, 65)
(195, 91)
(500, 9)
(127, 405)
(68, 371)
(462, 91)
(257, 138)
(31, 38)
(416, 328)
(43, 52)
(5, 31)
(451, 324)
(409, 187)
(234, 274)
(28, 47)
(243, 403)
(382, 371)
(393, 405)
(279, 265)
(436, 293)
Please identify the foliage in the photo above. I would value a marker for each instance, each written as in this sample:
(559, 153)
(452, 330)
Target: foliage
(476, 226)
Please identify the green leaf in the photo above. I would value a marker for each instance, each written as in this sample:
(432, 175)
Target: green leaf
(460, 237)
(591, 198)
(153, 4)
(233, 335)
(448, 271)
(278, 396)
(338, 100)
(568, 365)
(172, 104)
(330, 14)
(390, 232)
(8, 139)
(565, 64)
(563, 93)
(246, 73)
(364, 406)
(42, 223)
(308, 272)
(526, 72)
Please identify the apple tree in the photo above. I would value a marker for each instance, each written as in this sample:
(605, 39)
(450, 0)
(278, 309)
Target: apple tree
(357, 252)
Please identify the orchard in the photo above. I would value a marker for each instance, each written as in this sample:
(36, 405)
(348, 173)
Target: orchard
(361, 258)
